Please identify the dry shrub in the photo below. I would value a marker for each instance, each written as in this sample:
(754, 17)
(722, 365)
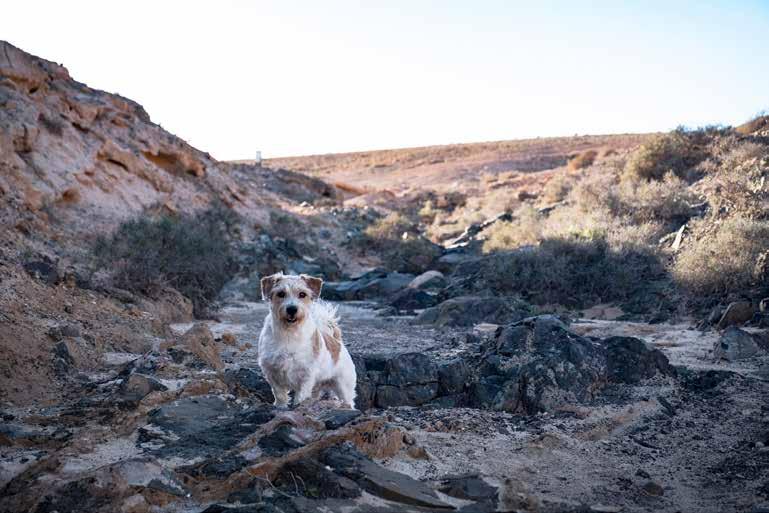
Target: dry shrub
(725, 260)
(428, 212)
(392, 226)
(582, 160)
(573, 271)
(191, 253)
(738, 186)
(754, 125)
(668, 201)
(593, 192)
(675, 152)
(557, 188)
(524, 229)
(398, 242)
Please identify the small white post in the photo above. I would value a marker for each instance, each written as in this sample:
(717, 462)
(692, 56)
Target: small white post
(258, 159)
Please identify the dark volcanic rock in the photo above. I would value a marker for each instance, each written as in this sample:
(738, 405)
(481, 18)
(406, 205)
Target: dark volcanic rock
(630, 360)
(44, 270)
(313, 479)
(470, 310)
(410, 369)
(412, 299)
(469, 487)
(539, 365)
(249, 381)
(546, 366)
(379, 481)
(411, 395)
(371, 285)
(200, 426)
(334, 419)
(280, 441)
(453, 377)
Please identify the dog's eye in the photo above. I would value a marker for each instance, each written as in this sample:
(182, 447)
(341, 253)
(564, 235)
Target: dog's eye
(303, 295)
(280, 294)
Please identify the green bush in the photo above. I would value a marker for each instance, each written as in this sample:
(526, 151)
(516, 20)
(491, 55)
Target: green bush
(191, 253)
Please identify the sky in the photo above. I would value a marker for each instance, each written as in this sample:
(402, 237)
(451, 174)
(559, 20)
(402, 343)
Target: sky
(307, 77)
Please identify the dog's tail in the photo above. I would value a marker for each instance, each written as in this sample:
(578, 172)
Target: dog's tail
(326, 318)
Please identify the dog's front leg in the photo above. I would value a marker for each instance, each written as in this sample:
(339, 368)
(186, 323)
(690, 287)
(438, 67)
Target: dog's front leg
(305, 390)
(281, 396)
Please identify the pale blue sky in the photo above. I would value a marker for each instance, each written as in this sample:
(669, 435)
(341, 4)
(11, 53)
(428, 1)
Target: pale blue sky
(293, 78)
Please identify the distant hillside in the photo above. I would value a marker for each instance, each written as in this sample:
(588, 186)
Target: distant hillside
(440, 167)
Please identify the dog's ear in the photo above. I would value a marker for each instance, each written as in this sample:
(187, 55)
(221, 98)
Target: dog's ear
(268, 282)
(314, 283)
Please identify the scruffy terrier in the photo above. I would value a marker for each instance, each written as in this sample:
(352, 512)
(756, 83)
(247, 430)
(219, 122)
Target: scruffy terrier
(300, 347)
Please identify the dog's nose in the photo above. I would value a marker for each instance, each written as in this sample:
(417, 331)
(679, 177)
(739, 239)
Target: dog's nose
(291, 310)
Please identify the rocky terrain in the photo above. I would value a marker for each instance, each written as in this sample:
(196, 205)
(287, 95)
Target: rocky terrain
(484, 383)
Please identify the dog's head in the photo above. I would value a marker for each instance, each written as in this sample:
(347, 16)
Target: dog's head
(290, 296)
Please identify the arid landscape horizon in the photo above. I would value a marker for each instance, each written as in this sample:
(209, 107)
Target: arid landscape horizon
(555, 324)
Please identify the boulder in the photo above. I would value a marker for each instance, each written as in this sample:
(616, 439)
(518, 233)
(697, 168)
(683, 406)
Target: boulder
(468, 311)
(198, 341)
(371, 285)
(630, 360)
(410, 369)
(412, 299)
(736, 344)
(429, 280)
(545, 366)
(449, 261)
(736, 313)
(384, 287)
(453, 377)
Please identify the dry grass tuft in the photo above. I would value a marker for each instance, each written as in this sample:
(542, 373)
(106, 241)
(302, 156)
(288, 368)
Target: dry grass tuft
(582, 160)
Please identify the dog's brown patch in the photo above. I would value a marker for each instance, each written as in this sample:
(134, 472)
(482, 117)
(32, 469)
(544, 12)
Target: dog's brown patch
(333, 345)
(316, 343)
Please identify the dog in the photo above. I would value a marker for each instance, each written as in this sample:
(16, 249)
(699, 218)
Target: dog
(300, 346)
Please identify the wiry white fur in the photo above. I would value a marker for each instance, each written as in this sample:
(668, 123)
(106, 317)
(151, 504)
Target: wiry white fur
(289, 363)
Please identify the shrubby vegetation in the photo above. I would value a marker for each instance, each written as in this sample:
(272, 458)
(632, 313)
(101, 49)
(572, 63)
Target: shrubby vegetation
(398, 242)
(609, 231)
(191, 253)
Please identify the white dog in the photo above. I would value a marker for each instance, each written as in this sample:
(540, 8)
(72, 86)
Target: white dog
(300, 347)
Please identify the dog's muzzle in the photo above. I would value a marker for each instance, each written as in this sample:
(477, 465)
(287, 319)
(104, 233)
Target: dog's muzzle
(291, 312)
